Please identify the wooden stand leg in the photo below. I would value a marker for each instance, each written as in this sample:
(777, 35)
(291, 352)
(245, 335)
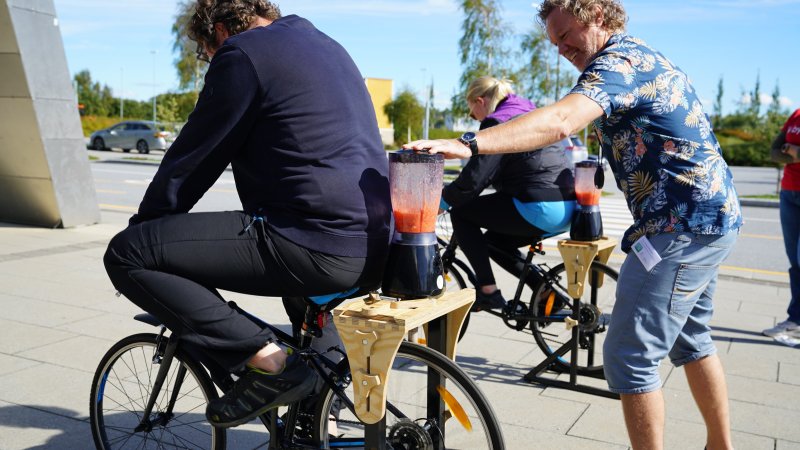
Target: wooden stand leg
(372, 331)
(578, 257)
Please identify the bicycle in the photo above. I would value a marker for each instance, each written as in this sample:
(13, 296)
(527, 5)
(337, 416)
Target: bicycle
(150, 391)
(550, 303)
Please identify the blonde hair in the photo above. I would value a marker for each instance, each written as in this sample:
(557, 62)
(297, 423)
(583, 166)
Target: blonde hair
(491, 89)
(614, 16)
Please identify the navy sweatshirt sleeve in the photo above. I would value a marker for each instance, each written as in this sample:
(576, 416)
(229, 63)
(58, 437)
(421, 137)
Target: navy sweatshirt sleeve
(208, 142)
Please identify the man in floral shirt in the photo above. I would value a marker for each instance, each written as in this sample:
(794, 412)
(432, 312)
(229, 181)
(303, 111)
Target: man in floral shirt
(669, 165)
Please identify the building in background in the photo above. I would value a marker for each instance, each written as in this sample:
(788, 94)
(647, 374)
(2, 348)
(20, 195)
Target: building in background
(380, 89)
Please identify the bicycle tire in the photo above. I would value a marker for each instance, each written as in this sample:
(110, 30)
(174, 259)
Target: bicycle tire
(548, 332)
(121, 387)
(455, 281)
(407, 390)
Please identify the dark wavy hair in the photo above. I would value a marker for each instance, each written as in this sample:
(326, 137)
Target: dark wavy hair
(235, 15)
(614, 16)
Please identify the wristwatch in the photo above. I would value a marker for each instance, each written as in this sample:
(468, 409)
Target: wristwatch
(469, 139)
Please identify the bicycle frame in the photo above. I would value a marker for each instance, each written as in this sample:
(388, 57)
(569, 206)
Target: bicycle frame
(539, 271)
(334, 377)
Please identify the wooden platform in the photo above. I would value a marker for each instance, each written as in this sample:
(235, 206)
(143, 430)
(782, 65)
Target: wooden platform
(372, 330)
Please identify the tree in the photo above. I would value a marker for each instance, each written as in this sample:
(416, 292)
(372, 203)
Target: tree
(406, 113)
(481, 47)
(718, 104)
(190, 69)
(97, 99)
(775, 105)
(755, 98)
(541, 77)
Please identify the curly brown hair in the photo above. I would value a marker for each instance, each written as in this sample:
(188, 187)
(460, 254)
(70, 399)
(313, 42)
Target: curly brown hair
(614, 16)
(235, 15)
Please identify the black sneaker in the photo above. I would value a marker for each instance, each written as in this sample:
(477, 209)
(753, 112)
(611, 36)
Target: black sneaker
(256, 392)
(483, 301)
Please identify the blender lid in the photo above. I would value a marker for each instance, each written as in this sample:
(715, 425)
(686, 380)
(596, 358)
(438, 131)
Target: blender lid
(411, 156)
(586, 164)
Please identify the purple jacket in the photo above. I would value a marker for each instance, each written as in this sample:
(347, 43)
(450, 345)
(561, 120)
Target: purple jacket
(511, 106)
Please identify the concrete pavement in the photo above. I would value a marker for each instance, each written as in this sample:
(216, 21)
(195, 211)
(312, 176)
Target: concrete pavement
(59, 314)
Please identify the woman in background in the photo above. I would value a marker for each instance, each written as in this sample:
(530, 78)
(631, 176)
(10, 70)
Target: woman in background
(534, 191)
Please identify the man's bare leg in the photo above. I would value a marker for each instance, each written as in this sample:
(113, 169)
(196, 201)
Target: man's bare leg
(707, 382)
(644, 417)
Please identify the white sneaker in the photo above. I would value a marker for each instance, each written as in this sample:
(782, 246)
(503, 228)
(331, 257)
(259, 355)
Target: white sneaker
(782, 327)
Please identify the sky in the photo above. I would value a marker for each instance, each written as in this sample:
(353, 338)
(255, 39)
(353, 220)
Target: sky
(127, 44)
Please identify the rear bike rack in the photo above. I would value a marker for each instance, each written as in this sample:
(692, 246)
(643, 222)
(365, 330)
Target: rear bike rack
(578, 257)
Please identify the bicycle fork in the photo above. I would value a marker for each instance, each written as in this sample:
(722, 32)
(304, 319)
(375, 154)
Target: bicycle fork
(163, 356)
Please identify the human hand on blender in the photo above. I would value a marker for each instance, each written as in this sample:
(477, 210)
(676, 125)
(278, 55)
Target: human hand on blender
(450, 148)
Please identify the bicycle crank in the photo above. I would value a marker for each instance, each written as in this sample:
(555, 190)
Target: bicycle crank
(408, 435)
(589, 317)
(514, 313)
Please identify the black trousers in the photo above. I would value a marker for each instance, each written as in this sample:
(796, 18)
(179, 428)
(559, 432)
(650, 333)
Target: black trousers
(505, 229)
(172, 267)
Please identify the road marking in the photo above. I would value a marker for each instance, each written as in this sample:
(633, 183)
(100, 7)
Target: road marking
(762, 236)
(118, 207)
(109, 191)
(747, 269)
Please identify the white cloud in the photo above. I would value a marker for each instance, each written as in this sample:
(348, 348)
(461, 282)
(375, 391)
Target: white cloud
(766, 99)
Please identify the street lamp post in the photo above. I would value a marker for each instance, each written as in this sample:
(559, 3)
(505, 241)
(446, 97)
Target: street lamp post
(154, 85)
(121, 88)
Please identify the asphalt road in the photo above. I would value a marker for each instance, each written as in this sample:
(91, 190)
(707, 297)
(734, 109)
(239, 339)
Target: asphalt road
(121, 182)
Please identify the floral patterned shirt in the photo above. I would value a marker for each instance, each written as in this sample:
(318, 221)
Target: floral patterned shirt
(659, 143)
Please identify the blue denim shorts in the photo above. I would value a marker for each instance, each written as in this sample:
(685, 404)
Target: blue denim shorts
(664, 312)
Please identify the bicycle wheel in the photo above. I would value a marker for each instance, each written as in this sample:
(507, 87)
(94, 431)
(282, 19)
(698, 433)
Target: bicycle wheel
(455, 282)
(413, 392)
(551, 304)
(121, 388)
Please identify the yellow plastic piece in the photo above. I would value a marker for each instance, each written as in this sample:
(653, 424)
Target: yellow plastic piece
(372, 330)
(455, 407)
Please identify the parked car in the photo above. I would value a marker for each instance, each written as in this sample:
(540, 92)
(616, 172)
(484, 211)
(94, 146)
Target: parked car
(142, 135)
(574, 149)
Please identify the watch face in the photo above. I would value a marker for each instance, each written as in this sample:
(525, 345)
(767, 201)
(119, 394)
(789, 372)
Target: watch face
(468, 136)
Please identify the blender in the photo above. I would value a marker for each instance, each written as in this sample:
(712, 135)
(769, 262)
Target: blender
(414, 268)
(587, 224)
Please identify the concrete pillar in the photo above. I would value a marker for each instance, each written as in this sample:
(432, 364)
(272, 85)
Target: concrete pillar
(45, 178)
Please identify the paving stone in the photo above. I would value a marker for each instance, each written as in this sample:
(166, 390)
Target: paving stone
(51, 388)
(16, 337)
(80, 352)
(109, 327)
(42, 313)
(521, 404)
(521, 438)
(11, 363)
(786, 445)
(789, 373)
(23, 427)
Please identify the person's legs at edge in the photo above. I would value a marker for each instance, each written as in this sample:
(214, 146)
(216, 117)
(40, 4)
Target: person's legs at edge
(685, 280)
(495, 212)
(644, 419)
(790, 225)
(704, 374)
(710, 391)
(155, 264)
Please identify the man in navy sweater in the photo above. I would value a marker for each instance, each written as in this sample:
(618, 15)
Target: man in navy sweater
(287, 108)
